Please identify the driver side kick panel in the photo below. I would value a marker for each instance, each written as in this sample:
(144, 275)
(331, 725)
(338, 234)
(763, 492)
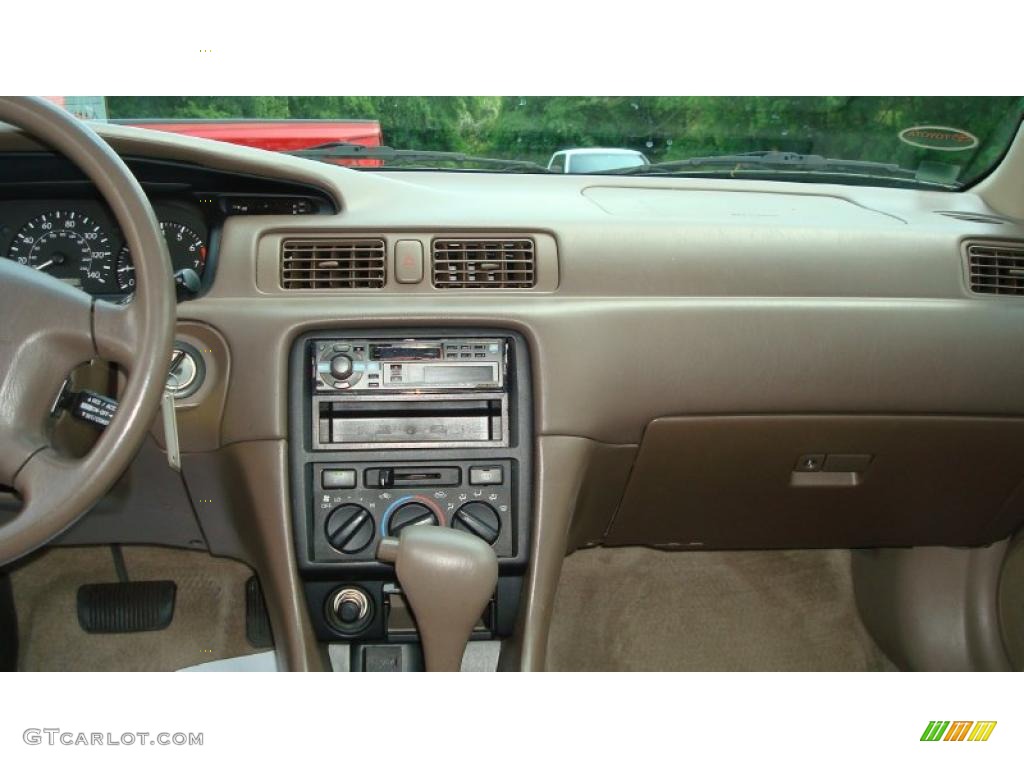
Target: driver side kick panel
(763, 482)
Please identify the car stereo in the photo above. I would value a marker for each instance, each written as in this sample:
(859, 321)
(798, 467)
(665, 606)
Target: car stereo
(408, 393)
(361, 365)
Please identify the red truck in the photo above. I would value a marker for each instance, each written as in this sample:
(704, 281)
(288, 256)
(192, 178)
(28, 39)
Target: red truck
(276, 135)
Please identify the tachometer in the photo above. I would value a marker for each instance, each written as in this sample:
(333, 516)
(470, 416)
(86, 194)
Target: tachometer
(188, 251)
(70, 246)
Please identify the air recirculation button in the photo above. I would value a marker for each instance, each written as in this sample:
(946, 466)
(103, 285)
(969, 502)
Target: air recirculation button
(480, 519)
(412, 513)
(349, 528)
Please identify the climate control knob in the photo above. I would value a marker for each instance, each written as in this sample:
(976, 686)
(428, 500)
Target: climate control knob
(480, 519)
(349, 528)
(341, 366)
(413, 513)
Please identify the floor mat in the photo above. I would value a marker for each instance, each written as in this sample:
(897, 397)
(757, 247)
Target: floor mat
(208, 623)
(643, 609)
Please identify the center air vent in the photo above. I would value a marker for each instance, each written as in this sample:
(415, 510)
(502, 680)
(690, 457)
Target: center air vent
(996, 268)
(484, 263)
(334, 263)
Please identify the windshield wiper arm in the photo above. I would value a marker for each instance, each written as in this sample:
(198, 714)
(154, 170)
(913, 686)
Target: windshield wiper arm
(345, 150)
(771, 160)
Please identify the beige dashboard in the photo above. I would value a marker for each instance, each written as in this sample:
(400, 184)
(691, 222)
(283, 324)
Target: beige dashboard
(661, 301)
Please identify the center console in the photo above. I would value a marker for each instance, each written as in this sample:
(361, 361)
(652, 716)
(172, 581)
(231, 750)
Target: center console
(397, 428)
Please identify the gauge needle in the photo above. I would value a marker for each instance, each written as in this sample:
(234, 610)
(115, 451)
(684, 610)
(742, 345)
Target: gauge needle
(58, 258)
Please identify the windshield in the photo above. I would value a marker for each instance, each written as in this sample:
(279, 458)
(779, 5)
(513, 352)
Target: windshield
(928, 142)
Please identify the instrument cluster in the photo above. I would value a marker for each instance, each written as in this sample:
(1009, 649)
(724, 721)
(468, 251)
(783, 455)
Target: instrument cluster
(78, 241)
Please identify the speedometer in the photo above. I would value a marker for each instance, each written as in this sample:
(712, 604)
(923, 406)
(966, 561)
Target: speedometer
(187, 249)
(70, 246)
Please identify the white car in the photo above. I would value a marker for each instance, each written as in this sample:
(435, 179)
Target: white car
(595, 160)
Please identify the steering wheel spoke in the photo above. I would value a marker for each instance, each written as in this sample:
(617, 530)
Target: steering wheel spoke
(115, 332)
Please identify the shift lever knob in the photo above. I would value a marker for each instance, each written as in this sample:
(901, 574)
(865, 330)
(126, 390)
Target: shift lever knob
(447, 577)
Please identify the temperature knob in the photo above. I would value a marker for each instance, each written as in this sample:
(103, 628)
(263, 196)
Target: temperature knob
(413, 513)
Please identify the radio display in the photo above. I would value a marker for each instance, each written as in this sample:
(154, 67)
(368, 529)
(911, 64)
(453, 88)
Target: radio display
(449, 374)
(397, 352)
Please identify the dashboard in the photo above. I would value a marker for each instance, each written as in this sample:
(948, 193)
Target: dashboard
(689, 345)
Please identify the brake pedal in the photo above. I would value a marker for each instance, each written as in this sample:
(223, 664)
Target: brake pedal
(126, 606)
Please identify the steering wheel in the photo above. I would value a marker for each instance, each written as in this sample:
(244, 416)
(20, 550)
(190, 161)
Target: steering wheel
(48, 327)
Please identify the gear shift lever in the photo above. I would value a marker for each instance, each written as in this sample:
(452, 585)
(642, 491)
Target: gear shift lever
(447, 576)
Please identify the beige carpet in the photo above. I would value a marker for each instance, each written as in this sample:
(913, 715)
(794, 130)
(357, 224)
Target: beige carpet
(209, 611)
(644, 609)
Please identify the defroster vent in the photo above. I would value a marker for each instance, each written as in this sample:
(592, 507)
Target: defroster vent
(484, 263)
(996, 268)
(333, 263)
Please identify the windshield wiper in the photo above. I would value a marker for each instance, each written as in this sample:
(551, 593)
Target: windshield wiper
(390, 155)
(782, 162)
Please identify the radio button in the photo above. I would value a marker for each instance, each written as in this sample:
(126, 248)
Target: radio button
(341, 366)
(338, 478)
(485, 475)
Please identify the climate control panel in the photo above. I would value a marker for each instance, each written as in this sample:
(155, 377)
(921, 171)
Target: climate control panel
(356, 504)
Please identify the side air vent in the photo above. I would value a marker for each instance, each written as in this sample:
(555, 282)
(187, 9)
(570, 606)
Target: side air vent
(996, 268)
(976, 218)
(484, 263)
(334, 263)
